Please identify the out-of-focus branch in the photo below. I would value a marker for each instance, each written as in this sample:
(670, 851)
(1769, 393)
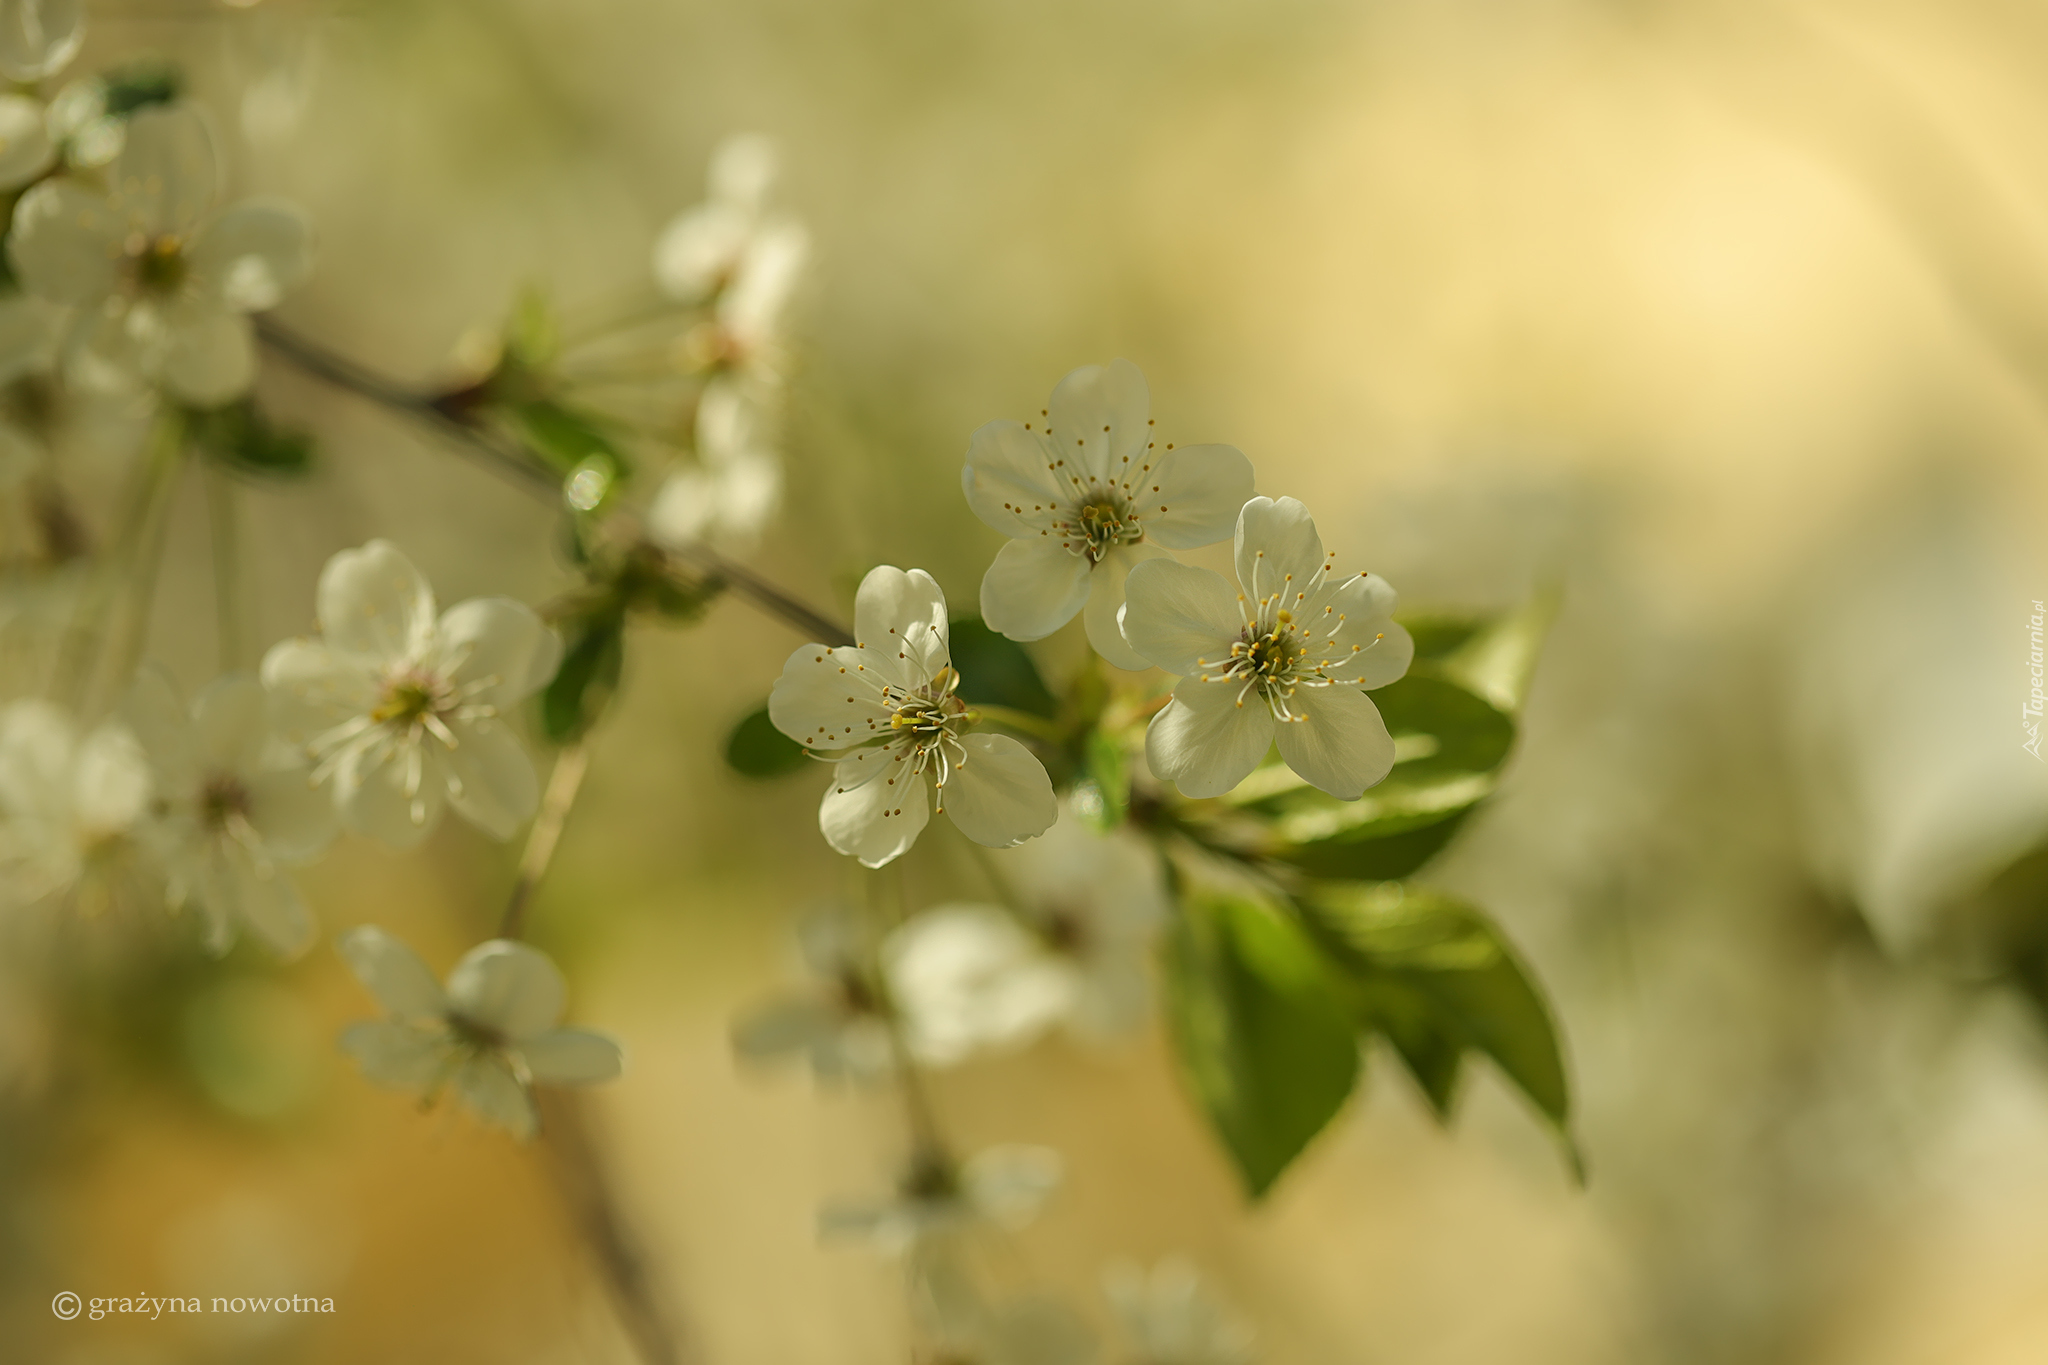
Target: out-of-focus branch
(563, 784)
(513, 464)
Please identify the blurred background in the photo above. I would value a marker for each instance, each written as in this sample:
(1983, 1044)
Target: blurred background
(1731, 319)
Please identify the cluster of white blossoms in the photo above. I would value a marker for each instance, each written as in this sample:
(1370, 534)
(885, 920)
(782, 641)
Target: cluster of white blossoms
(739, 261)
(153, 287)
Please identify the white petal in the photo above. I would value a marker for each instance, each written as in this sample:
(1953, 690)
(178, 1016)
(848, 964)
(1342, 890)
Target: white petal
(231, 722)
(396, 1055)
(1106, 588)
(1033, 587)
(492, 782)
(211, 354)
(372, 602)
(508, 986)
(271, 906)
(1176, 615)
(875, 807)
(24, 138)
(827, 698)
(159, 721)
(1204, 742)
(113, 782)
(1276, 539)
(1196, 494)
(379, 793)
(294, 818)
(998, 794)
(66, 243)
(769, 269)
(1340, 744)
(901, 618)
(310, 688)
(1010, 1183)
(39, 37)
(494, 1094)
(253, 255)
(572, 1056)
(1379, 650)
(1007, 480)
(402, 983)
(784, 1026)
(699, 248)
(685, 508)
(969, 978)
(498, 646)
(29, 328)
(1098, 415)
(743, 170)
(165, 174)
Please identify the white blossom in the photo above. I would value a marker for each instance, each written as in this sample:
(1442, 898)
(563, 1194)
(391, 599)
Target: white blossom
(739, 258)
(26, 148)
(1171, 1318)
(493, 1032)
(70, 803)
(733, 487)
(1284, 659)
(1075, 951)
(967, 1326)
(163, 289)
(39, 37)
(886, 711)
(1085, 496)
(1000, 1186)
(838, 1022)
(233, 807)
(404, 711)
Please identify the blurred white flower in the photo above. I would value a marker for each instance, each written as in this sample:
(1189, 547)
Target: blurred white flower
(39, 37)
(233, 807)
(886, 707)
(82, 128)
(493, 1033)
(1004, 1186)
(838, 1023)
(1088, 497)
(965, 1326)
(26, 149)
(69, 803)
(706, 249)
(734, 486)
(1076, 952)
(164, 292)
(1172, 1319)
(404, 711)
(1285, 660)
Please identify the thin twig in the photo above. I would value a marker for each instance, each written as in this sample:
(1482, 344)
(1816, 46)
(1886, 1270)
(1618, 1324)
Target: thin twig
(323, 364)
(563, 784)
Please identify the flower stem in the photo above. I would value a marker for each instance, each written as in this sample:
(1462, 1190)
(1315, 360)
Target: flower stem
(563, 784)
(927, 1140)
(220, 522)
(514, 465)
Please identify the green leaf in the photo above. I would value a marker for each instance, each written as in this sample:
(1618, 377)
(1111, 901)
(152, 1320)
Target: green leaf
(587, 678)
(758, 749)
(996, 670)
(1498, 662)
(532, 339)
(137, 85)
(1263, 1039)
(239, 436)
(566, 439)
(1436, 977)
(1109, 777)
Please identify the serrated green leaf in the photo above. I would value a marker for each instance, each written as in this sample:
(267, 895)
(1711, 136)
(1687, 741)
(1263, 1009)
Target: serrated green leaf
(996, 671)
(1435, 975)
(1263, 1038)
(588, 676)
(757, 749)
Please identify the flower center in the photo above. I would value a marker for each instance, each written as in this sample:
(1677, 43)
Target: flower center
(409, 699)
(222, 799)
(473, 1036)
(158, 263)
(1099, 526)
(1276, 653)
